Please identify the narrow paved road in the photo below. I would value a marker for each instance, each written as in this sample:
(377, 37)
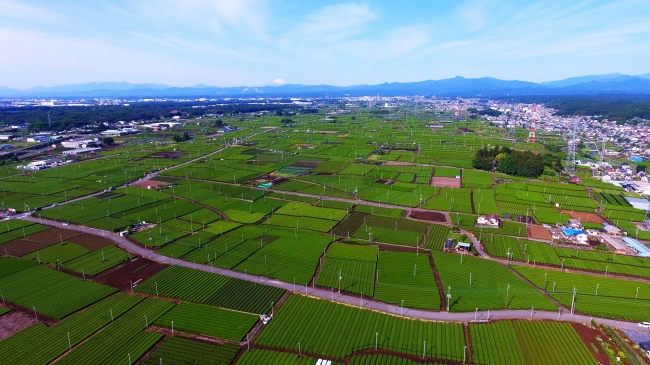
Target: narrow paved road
(342, 298)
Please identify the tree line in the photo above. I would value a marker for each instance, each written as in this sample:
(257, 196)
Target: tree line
(509, 161)
(69, 117)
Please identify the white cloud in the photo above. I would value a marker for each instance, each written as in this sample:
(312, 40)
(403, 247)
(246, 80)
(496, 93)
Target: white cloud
(217, 15)
(66, 60)
(334, 23)
(11, 9)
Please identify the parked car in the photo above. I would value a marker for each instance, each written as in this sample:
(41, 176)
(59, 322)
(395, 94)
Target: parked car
(644, 324)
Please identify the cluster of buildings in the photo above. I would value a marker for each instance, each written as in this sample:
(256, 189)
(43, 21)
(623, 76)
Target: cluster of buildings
(119, 132)
(44, 164)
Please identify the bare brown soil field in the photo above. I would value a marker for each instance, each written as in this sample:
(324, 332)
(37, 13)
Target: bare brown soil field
(428, 216)
(539, 232)
(122, 276)
(90, 241)
(146, 183)
(14, 322)
(590, 335)
(442, 182)
(38, 241)
(584, 216)
(167, 154)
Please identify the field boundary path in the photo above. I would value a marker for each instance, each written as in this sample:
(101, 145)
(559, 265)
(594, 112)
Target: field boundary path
(342, 298)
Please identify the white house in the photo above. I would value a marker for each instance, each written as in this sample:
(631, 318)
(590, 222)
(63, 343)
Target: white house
(492, 220)
(582, 238)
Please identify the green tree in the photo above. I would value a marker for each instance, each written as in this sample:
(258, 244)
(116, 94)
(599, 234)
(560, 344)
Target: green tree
(108, 141)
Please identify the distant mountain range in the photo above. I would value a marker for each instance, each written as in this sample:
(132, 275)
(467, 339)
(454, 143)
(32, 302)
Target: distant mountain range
(457, 86)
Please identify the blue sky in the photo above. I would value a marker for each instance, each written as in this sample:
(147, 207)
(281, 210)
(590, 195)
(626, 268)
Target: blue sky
(258, 42)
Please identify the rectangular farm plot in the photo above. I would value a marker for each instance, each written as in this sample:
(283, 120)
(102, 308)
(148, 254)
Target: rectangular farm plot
(38, 241)
(453, 200)
(40, 344)
(206, 320)
(246, 296)
(356, 169)
(438, 233)
(58, 253)
(351, 267)
(539, 253)
(595, 295)
(178, 350)
(353, 252)
(477, 179)
(124, 337)
(300, 316)
(90, 241)
(98, 261)
(492, 285)
(11, 265)
(380, 211)
(210, 250)
(307, 210)
(398, 231)
(52, 293)
(187, 244)
(308, 223)
(406, 277)
(446, 172)
(522, 342)
(501, 246)
(213, 289)
(288, 258)
(183, 283)
(21, 230)
(484, 202)
(350, 224)
(238, 254)
(157, 236)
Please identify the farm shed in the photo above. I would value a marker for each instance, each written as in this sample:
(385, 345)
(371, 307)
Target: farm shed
(462, 246)
(637, 246)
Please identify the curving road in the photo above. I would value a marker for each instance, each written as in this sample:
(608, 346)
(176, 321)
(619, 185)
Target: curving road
(332, 295)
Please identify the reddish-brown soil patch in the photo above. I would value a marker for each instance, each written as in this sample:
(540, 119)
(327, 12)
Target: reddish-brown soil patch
(397, 163)
(122, 276)
(588, 336)
(146, 183)
(584, 216)
(14, 322)
(167, 154)
(38, 241)
(539, 232)
(90, 241)
(442, 182)
(428, 216)
(281, 180)
(307, 164)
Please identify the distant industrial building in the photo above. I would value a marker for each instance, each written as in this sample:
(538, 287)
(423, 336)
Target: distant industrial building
(84, 143)
(119, 132)
(81, 151)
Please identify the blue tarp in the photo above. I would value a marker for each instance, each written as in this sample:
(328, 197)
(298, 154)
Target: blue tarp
(572, 232)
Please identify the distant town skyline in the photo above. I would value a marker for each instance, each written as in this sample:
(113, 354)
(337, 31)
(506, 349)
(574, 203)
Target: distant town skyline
(258, 42)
